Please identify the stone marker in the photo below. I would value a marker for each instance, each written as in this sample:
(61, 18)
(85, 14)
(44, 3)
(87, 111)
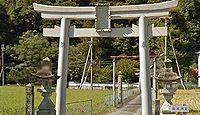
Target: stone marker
(29, 99)
(120, 87)
(180, 108)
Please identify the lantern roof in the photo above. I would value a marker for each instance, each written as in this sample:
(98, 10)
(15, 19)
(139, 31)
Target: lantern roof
(167, 74)
(45, 71)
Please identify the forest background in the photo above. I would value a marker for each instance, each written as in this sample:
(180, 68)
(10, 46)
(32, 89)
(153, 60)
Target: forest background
(21, 32)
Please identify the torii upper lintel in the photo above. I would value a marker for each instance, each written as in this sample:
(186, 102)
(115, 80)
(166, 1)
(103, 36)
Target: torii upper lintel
(116, 12)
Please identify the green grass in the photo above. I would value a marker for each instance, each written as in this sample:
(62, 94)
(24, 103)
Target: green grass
(12, 99)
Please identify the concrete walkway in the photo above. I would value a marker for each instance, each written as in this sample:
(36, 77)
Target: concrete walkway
(133, 107)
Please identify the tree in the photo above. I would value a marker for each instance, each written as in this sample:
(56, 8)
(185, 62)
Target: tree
(24, 18)
(26, 55)
(21, 28)
(103, 75)
(128, 68)
(32, 48)
(77, 57)
(4, 24)
(185, 29)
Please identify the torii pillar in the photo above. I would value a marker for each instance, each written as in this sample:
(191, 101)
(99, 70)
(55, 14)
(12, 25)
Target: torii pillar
(62, 67)
(144, 66)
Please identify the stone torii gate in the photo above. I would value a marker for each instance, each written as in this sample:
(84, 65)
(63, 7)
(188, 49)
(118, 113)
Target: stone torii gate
(103, 14)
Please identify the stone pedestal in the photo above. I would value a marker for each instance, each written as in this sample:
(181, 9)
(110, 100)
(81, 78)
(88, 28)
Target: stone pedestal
(168, 93)
(46, 107)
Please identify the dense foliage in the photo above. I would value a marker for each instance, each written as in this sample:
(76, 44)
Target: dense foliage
(21, 32)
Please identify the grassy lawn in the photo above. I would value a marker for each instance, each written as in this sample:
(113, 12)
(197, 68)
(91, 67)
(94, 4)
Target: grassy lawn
(190, 97)
(12, 99)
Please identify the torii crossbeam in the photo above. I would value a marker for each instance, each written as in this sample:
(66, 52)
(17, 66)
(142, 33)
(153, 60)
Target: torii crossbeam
(103, 14)
(116, 12)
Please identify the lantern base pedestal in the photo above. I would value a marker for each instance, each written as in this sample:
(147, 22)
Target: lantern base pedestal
(165, 109)
(46, 107)
(46, 112)
(168, 93)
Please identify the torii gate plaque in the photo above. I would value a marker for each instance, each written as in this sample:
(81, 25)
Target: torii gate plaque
(102, 14)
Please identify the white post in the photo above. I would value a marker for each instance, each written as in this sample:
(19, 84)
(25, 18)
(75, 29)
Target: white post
(91, 79)
(199, 69)
(144, 67)
(83, 75)
(154, 80)
(165, 53)
(114, 94)
(62, 67)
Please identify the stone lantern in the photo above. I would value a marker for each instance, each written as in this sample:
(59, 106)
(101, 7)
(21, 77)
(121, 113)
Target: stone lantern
(167, 76)
(44, 74)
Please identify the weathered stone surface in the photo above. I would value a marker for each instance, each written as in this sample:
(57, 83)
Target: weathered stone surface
(120, 87)
(29, 99)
